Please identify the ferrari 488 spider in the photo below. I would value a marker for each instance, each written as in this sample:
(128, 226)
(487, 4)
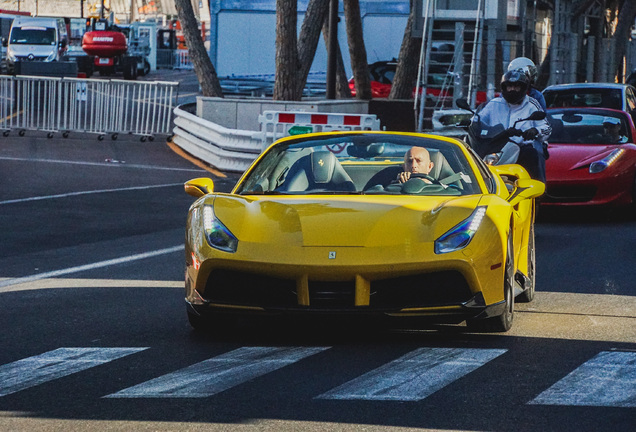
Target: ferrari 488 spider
(319, 224)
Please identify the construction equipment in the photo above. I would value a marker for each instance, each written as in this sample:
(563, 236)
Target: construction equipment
(116, 48)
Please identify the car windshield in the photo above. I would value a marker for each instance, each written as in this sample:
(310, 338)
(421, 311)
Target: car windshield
(584, 97)
(33, 36)
(580, 127)
(358, 164)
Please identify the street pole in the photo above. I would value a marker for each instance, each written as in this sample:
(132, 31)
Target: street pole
(332, 49)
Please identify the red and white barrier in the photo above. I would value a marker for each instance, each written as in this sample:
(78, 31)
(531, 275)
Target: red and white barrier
(276, 124)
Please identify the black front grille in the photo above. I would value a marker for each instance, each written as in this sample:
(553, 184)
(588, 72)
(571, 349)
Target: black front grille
(569, 193)
(420, 290)
(331, 294)
(248, 289)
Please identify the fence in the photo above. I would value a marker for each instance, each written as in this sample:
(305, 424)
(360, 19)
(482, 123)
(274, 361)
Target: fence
(83, 105)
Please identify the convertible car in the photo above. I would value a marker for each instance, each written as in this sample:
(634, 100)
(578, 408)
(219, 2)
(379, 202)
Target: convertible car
(592, 158)
(319, 225)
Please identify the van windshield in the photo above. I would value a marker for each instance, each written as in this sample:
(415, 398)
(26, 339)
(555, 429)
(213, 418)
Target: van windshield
(33, 36)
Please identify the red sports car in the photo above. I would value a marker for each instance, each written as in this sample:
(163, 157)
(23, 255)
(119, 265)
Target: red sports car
(381, 74)
(592, 157)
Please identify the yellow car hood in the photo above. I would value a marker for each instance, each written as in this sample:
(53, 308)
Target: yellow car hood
(344, 221)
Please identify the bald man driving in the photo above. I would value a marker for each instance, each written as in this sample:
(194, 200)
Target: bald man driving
(416, 160)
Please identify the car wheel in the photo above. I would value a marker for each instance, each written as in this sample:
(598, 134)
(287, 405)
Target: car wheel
(503, 322)
(528, 295)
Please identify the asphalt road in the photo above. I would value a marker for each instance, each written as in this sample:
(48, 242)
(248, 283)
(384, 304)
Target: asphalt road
(95, 336)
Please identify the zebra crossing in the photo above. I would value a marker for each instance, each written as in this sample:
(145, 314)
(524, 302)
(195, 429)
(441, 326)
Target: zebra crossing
(606, 380)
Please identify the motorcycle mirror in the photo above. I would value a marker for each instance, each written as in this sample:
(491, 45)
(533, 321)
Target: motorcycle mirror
(537, 115)
(463, 104)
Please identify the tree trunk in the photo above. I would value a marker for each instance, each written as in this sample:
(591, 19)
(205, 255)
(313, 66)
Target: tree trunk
(308, 40)
(626, 16)
(206, 74)
(357, 50)
(408, 61)
(285, 85)
(342, 83)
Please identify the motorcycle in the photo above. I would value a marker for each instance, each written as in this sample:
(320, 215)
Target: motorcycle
(493, 143)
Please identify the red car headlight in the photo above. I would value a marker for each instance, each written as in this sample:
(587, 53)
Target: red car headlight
(600, 165)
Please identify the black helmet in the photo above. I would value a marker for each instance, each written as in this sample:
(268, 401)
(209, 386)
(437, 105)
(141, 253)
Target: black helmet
(515, 77)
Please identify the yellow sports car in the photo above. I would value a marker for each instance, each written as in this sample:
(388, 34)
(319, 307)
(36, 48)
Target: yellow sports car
(333, 223)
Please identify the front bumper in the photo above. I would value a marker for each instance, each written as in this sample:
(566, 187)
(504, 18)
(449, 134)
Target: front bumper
(442, 296)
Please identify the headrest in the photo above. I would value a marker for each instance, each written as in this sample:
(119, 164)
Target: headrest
(323, 164)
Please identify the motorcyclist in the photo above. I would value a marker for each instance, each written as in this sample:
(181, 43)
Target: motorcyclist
(514, 104)
(528, 67)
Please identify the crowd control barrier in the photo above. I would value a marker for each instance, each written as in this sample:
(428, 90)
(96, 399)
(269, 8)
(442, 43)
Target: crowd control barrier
(102, 107)
(276, 124)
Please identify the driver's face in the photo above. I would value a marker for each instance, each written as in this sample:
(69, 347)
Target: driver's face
(417, 160)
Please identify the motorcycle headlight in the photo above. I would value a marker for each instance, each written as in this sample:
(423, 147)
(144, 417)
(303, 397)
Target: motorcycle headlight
(460, 235)
(217, 235)
(600, 165)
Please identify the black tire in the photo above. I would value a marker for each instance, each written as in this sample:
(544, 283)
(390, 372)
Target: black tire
(528, 295)
(146, 69)
(128, 67)
(503, 322)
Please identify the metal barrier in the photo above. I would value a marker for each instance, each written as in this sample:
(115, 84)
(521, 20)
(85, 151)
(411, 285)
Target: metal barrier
(276, 124)
(182, 60)
(84, 105)
(231, 150)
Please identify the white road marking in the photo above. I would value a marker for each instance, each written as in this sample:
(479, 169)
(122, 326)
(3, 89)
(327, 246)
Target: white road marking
(97, 191)
(92, 266)
(415, 375)
(607, 380)
(55, 364)
(219, 373)
(122, 164)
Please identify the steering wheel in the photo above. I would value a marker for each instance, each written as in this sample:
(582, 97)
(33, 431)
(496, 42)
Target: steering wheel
(423, 176)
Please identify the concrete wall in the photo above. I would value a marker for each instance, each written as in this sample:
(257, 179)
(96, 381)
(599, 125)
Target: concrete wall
(243, 114)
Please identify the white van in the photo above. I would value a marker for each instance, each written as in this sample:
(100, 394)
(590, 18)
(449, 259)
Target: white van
(36, 39)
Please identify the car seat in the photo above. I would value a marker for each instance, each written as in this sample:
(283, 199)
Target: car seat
(317, 171)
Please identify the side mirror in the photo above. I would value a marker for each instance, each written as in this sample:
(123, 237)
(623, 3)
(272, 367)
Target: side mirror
(463, 104)
(537, 115)
(526, 189)
(199, 187)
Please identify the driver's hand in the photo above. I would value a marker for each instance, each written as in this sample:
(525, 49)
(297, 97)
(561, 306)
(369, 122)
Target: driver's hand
(403, 176)
(531, 133)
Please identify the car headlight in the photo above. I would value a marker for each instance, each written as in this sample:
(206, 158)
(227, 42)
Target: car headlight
(51, 57)
(460, 235)
(10, 55)
(600, 165)
(217, 235)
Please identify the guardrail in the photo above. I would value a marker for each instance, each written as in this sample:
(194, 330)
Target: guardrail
(86, 105)
(233, 150)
